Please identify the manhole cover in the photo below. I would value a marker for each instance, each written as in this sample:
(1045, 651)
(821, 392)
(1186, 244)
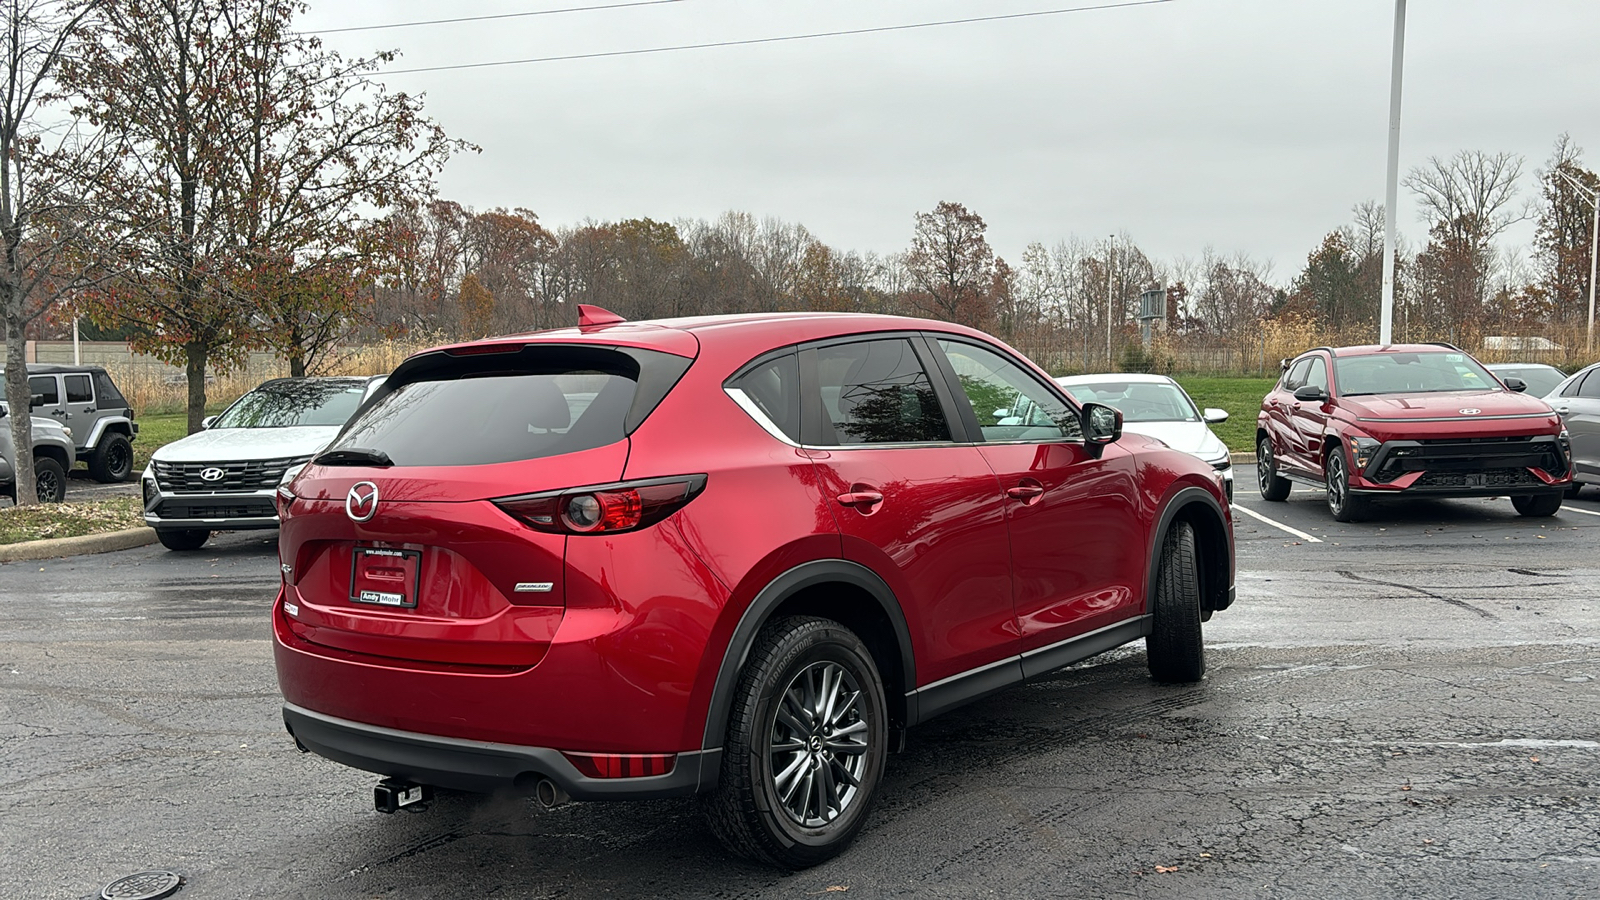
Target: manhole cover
(142, 886)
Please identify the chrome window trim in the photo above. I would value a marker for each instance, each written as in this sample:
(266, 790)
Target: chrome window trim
(753, 411)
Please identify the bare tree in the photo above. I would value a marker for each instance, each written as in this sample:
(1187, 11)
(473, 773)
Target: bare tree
(951, 265)
(44, 222)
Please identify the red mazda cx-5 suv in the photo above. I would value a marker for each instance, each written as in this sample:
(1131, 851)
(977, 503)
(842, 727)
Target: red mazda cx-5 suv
(1408, 420)
(731, 556)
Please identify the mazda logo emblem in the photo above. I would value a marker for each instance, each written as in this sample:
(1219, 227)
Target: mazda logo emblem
(361, 503)
(1469, 411)
(211, 473)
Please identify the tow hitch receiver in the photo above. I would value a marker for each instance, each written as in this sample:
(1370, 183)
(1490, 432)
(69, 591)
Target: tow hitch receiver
(391, 795)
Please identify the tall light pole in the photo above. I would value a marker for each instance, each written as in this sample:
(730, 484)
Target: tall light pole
(1386, 328)
(1594, 249)
(1111, 246)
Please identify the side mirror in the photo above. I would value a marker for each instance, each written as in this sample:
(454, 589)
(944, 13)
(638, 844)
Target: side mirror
(1212, 415)
(1283, 364)
(1311, 392)
(2, 412)
(206, 422)
(1514, 383)
(35, 401)
(1102, 425)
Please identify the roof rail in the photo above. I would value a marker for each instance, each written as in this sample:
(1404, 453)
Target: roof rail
(1445, 344)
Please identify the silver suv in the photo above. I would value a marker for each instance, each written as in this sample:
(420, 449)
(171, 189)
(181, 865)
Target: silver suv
(53, 455)
(84, 400)
(225, 478)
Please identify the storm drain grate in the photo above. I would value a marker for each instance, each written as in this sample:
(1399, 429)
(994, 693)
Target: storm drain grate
(142, 886)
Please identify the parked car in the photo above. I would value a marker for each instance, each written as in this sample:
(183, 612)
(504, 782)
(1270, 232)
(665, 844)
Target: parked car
(53, 455)
(223, 477)
(1538, 379)
(1406, 420)
(1577, 400)
(734, 556)
(1157, 406)
(85, 400)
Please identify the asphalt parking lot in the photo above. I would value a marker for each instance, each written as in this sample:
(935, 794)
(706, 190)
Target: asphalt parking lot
(1401, 707)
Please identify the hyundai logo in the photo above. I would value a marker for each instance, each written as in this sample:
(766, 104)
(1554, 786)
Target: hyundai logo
(361, 504)
(211, 473)
(1469, 411)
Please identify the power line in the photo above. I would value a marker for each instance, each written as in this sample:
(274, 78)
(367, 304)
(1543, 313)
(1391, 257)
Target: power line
(774, 40)
(515, 15)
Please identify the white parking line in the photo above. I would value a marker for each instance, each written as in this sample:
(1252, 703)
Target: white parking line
(1294, 531)
(1587, 512)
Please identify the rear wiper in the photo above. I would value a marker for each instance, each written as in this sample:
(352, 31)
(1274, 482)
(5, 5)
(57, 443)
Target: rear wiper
(353, 456)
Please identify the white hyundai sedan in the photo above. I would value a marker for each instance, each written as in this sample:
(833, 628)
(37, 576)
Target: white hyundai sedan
(1156, 406)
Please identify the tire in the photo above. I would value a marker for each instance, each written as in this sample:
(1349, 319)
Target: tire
(49, 480)
(1345, 506)
(183, 538)
(1274, 487)
(1574, 489)
(1174, 649)
(1537, 505)
(788, 670)
(113, 458)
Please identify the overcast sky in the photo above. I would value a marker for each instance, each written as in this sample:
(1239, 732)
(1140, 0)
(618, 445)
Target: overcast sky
(1243, 125)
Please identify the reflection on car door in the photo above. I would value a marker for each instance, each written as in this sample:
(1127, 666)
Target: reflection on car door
(912, 504)
(1077, 551)
(1279, 403)
(1308, 418)
(1579, 406)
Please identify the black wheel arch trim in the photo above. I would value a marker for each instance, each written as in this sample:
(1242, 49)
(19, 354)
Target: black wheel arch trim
(1220, 593)
(756, 615)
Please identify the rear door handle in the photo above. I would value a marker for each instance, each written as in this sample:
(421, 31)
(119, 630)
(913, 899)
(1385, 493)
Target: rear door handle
(860, 499)
(1562, 410)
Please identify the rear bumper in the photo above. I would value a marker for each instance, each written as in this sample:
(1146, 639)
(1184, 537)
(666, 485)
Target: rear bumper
(482, 766)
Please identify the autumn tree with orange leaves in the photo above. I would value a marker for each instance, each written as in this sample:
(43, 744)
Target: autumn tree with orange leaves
(254, 152)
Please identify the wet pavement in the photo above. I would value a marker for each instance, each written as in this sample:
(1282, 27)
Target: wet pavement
(1402, 707)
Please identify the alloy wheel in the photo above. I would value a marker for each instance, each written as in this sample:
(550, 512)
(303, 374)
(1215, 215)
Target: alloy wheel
(1338, 485)
(818, 744)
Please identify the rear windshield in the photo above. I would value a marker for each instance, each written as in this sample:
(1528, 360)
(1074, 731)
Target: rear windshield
(291, 402)
(505, 407)
(1411, 373)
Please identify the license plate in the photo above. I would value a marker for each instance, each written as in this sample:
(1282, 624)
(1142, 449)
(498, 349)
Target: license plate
(383, 577)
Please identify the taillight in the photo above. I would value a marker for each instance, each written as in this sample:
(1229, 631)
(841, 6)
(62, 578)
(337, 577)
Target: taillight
(622, 765)
(606, 508)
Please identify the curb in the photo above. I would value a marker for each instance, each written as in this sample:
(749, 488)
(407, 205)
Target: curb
(1248, 459)
(77, 546)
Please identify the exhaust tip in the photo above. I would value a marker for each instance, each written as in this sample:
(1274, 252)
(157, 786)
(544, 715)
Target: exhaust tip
(549, 794)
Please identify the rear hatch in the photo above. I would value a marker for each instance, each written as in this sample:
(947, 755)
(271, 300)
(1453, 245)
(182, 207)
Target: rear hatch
(391, 542)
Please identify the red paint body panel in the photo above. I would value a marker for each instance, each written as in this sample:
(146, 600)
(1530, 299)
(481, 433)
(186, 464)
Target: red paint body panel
(624, 652)
(1077, 550)
(939, 540)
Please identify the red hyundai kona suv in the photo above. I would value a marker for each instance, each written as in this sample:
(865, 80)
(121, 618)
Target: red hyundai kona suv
(730, 556)
(1407, 420)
